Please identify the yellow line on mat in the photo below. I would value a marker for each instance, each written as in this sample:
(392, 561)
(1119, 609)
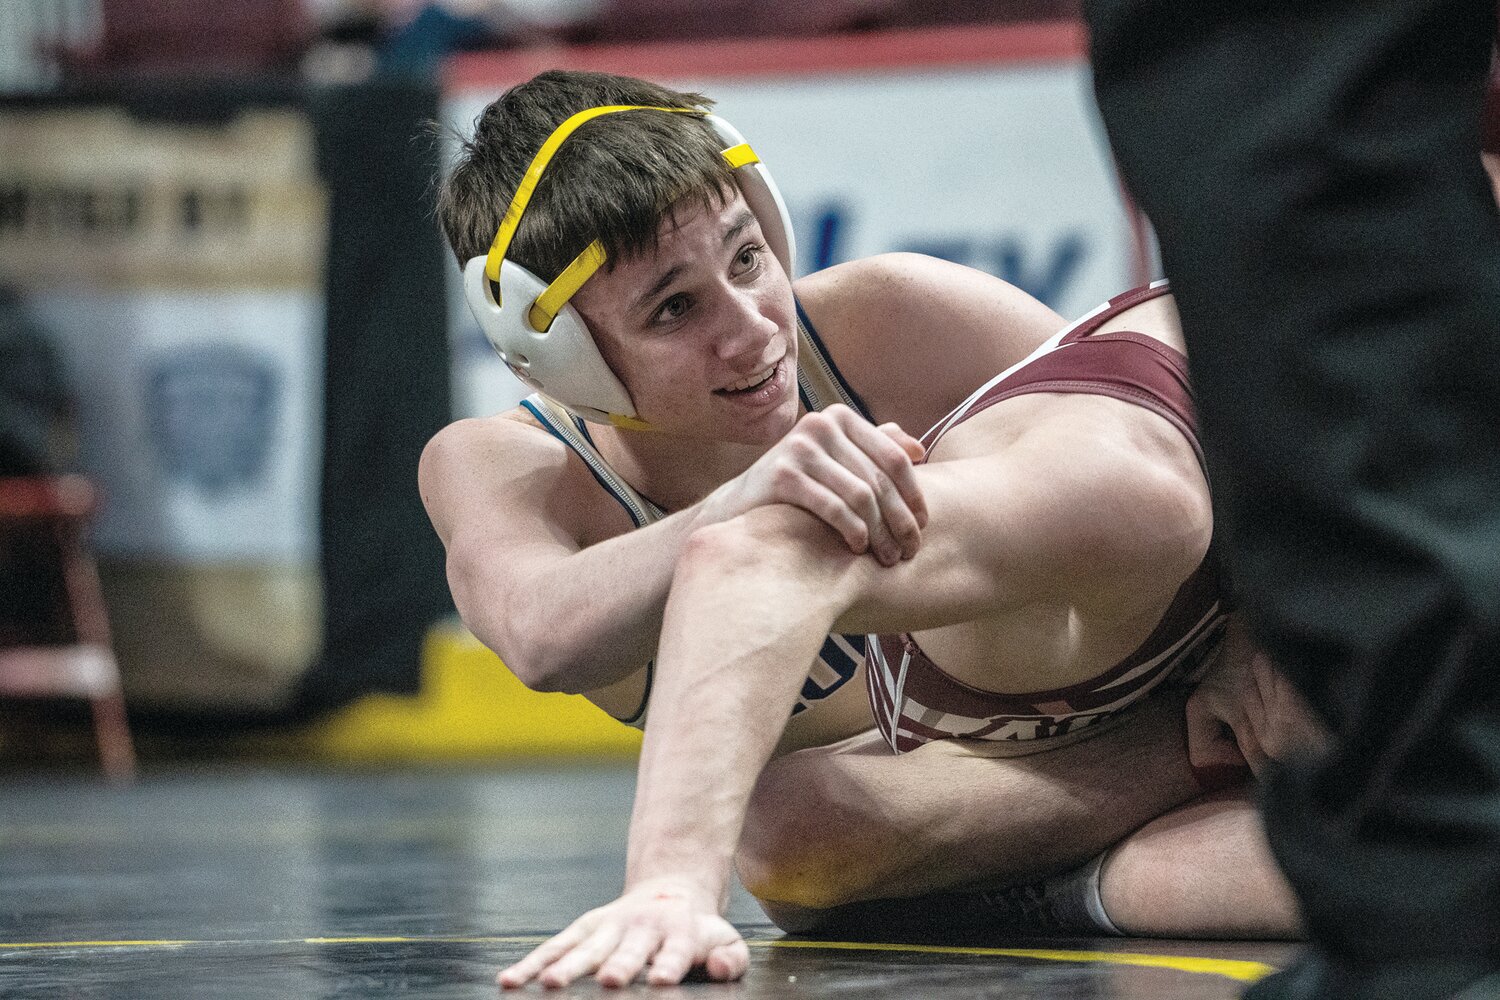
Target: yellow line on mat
(163, 943)
(397, 939)
(1242, 971)
(1245, 972)
(96, 944)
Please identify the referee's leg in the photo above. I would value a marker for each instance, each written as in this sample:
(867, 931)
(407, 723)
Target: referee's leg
(1312, 168)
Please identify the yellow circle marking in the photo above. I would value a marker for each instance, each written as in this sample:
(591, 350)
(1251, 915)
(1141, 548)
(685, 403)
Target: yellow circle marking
(1238, 970)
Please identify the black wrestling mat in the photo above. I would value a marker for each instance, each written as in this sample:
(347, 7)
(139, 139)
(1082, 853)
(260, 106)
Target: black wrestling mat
(284, 885)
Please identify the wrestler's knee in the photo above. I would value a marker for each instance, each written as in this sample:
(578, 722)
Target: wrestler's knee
(712, 549)
(762, 539)
(794, 919)
(717, 552)
(800, 847)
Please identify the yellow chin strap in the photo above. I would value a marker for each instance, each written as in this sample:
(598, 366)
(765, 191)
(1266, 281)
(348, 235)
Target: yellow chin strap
(629, 423)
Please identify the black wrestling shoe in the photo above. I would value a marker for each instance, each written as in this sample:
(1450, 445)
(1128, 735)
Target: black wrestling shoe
(1067, 905)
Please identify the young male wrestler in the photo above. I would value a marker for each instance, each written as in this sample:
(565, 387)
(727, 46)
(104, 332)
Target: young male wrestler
(1041, 548)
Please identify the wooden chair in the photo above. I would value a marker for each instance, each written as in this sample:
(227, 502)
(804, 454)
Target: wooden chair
(84, 667)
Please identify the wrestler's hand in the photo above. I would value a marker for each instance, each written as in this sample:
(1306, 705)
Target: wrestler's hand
(670, 926)
(844, 470)
(1246, 712)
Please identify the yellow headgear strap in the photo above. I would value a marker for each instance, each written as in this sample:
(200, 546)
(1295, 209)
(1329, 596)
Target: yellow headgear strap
(545, 309)
(548, 304)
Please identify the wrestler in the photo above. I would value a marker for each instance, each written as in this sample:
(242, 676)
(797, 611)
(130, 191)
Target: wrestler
(1054, 541)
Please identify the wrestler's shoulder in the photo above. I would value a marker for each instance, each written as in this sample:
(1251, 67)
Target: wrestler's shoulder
(495, 449)
(509, 462)
(903, 323)
(1155, 317)
(511, 433)
(863, 287)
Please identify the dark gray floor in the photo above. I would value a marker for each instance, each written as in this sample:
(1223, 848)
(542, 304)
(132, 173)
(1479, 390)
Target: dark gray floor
(260, 884)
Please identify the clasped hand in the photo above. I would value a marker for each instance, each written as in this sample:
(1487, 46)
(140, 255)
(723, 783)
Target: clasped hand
(856, 477)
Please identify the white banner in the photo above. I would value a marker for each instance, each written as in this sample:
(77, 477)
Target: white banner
(179, 266)
(200, 415)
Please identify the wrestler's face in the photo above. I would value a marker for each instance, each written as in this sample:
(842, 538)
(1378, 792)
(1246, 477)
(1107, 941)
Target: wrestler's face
(703, 331)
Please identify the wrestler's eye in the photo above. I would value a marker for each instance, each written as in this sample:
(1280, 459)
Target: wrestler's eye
(672, 309)
(749, 257)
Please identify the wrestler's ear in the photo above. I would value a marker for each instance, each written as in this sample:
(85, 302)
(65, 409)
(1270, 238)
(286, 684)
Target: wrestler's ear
(1213, 736)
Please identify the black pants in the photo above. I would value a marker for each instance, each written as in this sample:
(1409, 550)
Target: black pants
(1312, 169)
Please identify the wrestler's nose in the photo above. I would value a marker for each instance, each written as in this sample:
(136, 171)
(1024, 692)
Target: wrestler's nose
(744, 327)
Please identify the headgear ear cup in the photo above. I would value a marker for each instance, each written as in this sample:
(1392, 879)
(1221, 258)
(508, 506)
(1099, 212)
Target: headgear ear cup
(562, 361)
(561, 358)
(762, 196)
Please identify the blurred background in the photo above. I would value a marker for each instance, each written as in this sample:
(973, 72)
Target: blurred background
(228, 325)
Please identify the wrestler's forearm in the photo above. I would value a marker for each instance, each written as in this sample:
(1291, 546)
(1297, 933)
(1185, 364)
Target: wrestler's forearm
(742, 622)
(575, 621)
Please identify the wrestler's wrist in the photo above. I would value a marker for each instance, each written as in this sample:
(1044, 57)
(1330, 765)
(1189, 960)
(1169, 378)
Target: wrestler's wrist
(676, 857)
(719, 506)
(698, 891)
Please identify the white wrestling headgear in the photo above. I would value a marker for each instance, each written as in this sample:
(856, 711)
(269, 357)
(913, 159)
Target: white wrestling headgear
(543, 339)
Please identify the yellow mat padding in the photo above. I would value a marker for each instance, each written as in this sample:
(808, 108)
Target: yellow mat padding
(470, 707)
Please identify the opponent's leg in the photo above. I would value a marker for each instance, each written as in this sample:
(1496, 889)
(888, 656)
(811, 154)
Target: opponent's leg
(853, 835)
(1202, 870)
(836, 825)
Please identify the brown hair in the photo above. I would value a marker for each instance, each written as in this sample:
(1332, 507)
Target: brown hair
(614, 180)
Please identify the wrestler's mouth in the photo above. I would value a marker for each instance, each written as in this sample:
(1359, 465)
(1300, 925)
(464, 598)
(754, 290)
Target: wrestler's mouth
(755, 383)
